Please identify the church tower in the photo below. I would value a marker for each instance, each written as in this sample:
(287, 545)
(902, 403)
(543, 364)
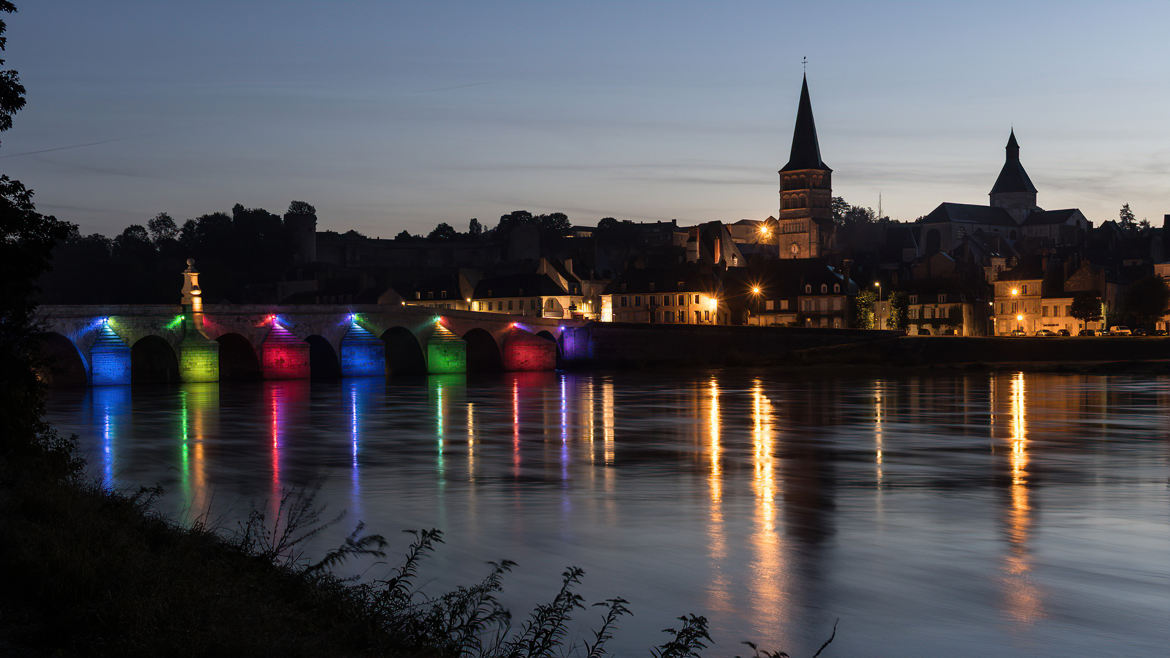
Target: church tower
(806, 216)
(1013, 190)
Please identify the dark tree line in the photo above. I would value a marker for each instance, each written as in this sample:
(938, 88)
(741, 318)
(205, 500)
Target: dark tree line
(251, 246)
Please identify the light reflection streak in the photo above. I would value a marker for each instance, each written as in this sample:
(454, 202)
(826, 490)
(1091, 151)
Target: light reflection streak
(515, 427)
(471, 441)
(355, 495)
(274, 403)
(766, 585)
(564, 434)
(1023, 598)
(607, 421)
(720, 591)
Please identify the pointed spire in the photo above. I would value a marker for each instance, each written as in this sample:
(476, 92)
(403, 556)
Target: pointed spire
(1013, 147)
(1013, 178)
(806, 150)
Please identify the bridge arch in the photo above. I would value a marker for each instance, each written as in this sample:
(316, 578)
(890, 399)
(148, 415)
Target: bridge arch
(153, 361)
(404, 354)
(237, 358)
(483, 354)
(61, 364)
(323, 361)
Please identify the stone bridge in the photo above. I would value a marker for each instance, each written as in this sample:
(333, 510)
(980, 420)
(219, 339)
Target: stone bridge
(102, 345)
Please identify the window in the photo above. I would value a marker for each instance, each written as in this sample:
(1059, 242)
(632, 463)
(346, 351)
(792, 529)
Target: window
(768, 305)
(682, 300)
(443, 294)
(666, 300)
(836, 287)
(942, 298)
(625, 300)
(929, 312)
(706, 316)
(783, 304)
(637, 300)
(682, 316)
(475, 306)
(430, 294)
(698, 317)
(534, 304)
(417, 295)
(696, 299)
(1044, 311)
(913, 299)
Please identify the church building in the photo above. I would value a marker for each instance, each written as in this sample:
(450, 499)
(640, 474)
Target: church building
(806, 215)
(1012, 214)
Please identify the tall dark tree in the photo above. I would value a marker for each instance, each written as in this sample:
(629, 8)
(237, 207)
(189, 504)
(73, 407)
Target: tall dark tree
(26, 243)
(1126, 217)
(162, 229)
(474, 228)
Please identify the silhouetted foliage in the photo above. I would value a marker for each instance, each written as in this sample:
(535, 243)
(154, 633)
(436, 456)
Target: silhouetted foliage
(1086, 307)
(474, 228)
(1146, 300)
(443, 231)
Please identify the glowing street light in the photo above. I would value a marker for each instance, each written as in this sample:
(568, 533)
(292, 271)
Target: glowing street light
(765, 231)
(755, 290)
(1015, 292)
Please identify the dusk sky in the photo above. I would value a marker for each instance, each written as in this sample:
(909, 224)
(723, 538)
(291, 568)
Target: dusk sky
(388, 116)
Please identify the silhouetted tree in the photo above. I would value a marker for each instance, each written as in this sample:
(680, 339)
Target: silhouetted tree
(1125, 217)
(899, 307)
(443, 231)
(162, 229)
(1086, 307)
(300, 208)
(404, 235)
(27, 239)
(474, 228)
(556, 223)
(1146, 300)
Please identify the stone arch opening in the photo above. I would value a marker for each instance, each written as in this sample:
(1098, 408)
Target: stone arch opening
(404, 355)
(153, 361)
(59, 361)
(483, 354)
(323, 361)
(548, 336)
(237, 359)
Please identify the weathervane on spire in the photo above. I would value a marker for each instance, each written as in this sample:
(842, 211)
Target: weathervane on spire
(804, 64)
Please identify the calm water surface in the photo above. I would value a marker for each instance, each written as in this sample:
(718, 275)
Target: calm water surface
(980, 514)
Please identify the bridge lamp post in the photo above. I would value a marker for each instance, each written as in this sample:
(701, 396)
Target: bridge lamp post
(756, 298)
(878, 285)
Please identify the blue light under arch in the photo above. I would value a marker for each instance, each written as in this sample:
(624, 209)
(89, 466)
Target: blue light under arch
(362, 353)
(109, 359)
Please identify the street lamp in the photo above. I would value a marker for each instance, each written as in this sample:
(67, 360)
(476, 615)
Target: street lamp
(756, 299)
(1016, 307)
(878, 285)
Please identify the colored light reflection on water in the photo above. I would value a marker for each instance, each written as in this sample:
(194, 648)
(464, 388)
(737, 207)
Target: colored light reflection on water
(771, 505)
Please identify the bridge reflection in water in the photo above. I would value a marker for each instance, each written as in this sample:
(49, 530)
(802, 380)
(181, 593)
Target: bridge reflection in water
(772, 505)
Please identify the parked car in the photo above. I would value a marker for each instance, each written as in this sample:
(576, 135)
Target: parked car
(1064, 332)
(1140, 332)
(1045, 332)
(1120, 330)
(1158, 332)
(1019, 332)
(948, 332)
(1086, 332)
(1104, 332)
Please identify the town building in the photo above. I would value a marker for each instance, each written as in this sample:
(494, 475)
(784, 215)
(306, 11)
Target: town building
(679, 295)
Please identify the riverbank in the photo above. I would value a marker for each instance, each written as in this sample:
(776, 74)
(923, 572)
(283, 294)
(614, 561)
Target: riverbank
(95, 573)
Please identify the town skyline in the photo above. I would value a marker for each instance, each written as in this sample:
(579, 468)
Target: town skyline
(410, 132)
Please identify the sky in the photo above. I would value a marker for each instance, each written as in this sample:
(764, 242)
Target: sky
(399, 115)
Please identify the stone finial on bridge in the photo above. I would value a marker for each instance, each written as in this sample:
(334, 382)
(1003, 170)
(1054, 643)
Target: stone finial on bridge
(192, 293)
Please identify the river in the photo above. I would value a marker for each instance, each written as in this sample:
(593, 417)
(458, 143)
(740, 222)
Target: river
(954, 514)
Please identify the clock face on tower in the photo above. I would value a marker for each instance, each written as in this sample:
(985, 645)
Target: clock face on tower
(795, 249)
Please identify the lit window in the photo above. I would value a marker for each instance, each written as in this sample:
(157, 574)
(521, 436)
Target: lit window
(836, 287)
(808, 289)
(824, 288)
